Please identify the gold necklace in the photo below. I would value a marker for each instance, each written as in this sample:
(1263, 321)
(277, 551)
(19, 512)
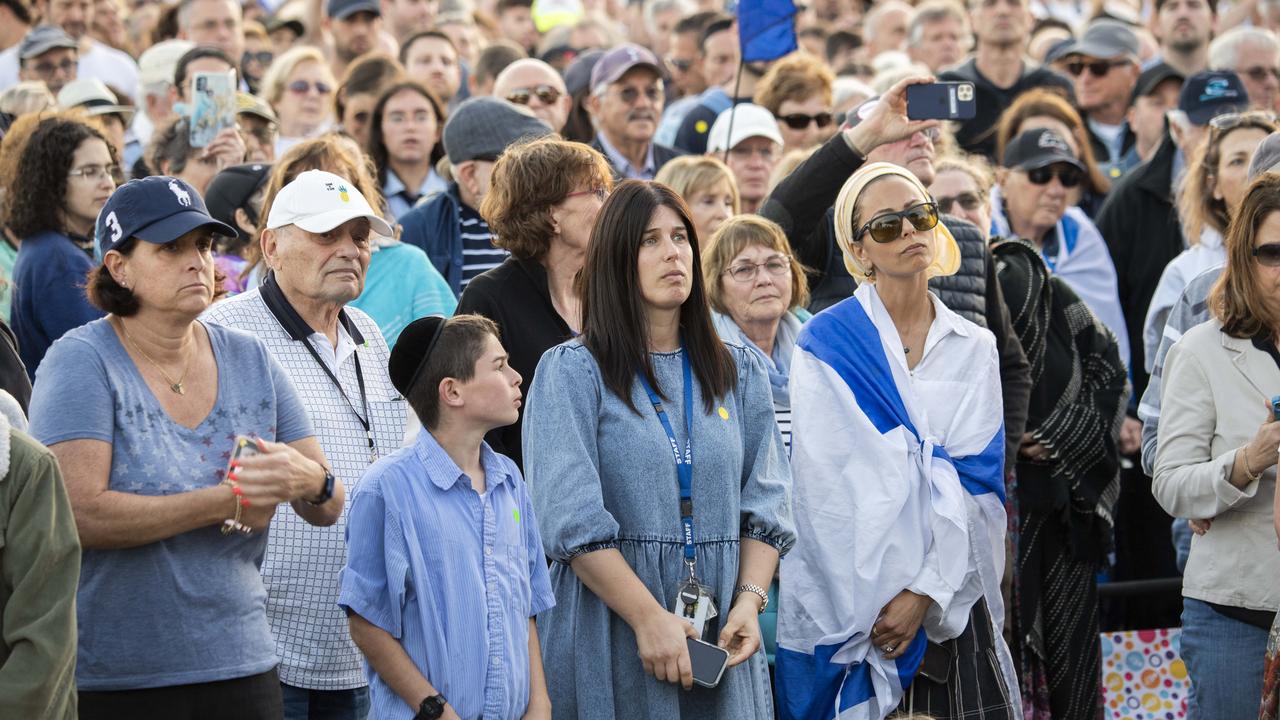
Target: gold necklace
(175, 386)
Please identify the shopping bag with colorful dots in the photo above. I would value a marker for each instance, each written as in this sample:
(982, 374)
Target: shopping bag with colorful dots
(1143, 676)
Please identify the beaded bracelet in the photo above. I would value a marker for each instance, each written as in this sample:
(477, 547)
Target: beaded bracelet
(231, 524)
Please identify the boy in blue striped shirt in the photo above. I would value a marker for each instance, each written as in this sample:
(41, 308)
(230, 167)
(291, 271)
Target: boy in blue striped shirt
(445, 569)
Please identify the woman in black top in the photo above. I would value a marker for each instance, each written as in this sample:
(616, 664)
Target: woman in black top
(543, 199)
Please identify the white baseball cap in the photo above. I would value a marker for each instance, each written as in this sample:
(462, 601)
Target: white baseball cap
(94, 97)
(749, 120)
(319, 201)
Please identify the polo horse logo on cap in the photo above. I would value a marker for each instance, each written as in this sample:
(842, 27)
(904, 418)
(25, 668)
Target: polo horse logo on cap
(1051, 141)
(184, 197)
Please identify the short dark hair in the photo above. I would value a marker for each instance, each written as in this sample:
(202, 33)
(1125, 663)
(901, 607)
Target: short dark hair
(108, 295)
(378, 149)
(504, 5)
(423, 35)
(459, 347)
(41, 175)
(198, 53)
(614, 328)
(170, 144)
(21, 12)
(1213, 5)
(716, 26)
(696, 22)
(842, 40)
(495, 58)
(367, 75)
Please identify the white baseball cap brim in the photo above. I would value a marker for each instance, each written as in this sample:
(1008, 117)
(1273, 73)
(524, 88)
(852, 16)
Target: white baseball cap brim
(749, 120)
(324, 222)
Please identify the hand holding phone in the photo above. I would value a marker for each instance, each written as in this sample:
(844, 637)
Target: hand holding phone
(708, 662)
(941, 101)
(213, 106)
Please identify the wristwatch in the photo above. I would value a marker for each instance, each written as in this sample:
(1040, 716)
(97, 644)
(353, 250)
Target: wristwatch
(431, 708)
(755, 590)
(327, 493)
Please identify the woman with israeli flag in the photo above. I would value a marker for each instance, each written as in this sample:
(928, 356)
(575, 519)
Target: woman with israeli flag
(891, 597)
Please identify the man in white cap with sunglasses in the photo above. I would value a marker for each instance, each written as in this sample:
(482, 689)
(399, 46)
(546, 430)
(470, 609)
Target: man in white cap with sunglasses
(317, 243)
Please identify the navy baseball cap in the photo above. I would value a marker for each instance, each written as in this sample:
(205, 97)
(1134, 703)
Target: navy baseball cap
(1039, 148)
(620, 61)
(343, 9)
(1209, 94)
(156, 209)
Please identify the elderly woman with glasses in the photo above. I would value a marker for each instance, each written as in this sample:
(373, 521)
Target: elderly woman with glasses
(1038, 174)
(299, 86)
(891, 597)
(1216, 462)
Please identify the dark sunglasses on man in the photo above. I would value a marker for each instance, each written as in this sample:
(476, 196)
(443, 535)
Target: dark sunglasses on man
(546, 94)
(887, 227)
(800, 121)
(967, 200)
(1068, 175)
(1096, 68)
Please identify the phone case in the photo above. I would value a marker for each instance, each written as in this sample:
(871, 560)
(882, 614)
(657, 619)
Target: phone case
(707, 660)
(941, 101)
(213, 106)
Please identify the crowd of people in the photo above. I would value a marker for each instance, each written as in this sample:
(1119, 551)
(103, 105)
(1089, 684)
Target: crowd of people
(478, 358)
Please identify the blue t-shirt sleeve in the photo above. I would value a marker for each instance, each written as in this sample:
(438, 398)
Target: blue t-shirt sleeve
(292, 421)
(72, 375)
(373, 583)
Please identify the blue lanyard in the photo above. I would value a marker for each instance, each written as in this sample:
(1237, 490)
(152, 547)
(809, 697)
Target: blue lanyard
(684, 462)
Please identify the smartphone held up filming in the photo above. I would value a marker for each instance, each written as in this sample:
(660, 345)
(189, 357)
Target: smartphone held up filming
(708, 661)
(941, 101)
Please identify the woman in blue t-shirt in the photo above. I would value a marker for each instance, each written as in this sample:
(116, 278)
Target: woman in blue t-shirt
(143, 409)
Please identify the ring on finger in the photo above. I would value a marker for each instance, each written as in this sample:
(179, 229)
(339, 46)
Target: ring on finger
(887, 648)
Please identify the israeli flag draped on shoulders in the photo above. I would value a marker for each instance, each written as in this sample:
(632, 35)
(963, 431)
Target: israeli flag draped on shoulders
(898, 484)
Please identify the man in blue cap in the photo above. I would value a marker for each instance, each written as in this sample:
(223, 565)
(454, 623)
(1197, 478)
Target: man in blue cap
(355, 26)
(626, 103)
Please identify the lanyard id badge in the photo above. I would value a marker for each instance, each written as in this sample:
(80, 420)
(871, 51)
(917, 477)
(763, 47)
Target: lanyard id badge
(694, 602)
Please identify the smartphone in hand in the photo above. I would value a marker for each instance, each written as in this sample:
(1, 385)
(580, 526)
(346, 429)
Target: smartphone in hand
(708, 661)
(941, 101)
(213, 106)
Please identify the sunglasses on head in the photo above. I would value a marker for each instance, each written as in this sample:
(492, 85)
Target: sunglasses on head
(1096, 68)
(887, 227)
(800, 121)
(966, 200)
(1268, 255)
(1069, 175)
(1231, 121)
(546, 94)
(302, 87)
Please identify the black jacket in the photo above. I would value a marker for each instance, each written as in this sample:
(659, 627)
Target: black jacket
(515, 295)
(1140, 226)
(978, 135)
(661, 156)
(801, 205)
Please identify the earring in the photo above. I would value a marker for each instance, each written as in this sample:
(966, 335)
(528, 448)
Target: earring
(871, 274)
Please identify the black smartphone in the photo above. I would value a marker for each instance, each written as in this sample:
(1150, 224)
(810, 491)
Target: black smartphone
(936, 664)
(708, 662)
(941, 101)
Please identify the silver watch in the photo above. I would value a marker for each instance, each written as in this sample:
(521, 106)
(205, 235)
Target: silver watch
(757, 590)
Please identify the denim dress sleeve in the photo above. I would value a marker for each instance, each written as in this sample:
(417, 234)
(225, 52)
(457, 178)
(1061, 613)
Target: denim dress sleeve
(766, 471)
(561, 455)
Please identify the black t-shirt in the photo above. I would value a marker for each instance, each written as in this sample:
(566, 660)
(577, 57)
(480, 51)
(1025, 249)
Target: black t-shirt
(978, 134)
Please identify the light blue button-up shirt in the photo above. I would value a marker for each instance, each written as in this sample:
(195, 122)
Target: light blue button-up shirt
(452, 574)
(624, 165)
(400, 201)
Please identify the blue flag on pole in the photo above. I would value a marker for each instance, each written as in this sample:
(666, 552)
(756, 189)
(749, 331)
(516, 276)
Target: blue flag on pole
(766, 29)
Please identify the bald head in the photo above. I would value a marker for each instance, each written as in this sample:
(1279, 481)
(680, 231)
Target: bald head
(537, 86)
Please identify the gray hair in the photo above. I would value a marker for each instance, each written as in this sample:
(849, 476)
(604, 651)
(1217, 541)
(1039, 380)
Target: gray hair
(653, 8)
(1224, 51)
(933, 11)
(184, 12)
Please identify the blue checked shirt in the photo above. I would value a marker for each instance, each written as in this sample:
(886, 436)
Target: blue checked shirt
(451, 574)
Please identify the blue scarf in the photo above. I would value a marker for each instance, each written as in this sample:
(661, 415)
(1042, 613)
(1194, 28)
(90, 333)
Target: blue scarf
(784, 342)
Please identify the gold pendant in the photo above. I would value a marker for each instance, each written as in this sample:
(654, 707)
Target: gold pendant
(177, 387)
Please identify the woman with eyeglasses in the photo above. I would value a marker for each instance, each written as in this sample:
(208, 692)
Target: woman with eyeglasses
(798, 91)
(299, 86)
(543, 199)
(1038, 173)
(891, 598)
(404, 145)
(1216, 178)
(1216, 463)
(64, 176)
(962, 188)
(660, 483)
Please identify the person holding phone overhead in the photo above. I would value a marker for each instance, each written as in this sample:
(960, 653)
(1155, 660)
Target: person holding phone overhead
(891, 599)
(158, 397)
(659, 479)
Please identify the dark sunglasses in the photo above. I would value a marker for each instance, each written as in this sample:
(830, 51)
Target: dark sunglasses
(629, 95)
(1068, 175)
(800, 121)
(967, 200)
(263, 57)
(546, 94)
(302, 87)
(1097, 68)
(1268, 255)
(888, 227)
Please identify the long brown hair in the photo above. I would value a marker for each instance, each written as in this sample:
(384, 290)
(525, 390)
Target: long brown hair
(1236, 299)
(1197, 206)
(614, 327)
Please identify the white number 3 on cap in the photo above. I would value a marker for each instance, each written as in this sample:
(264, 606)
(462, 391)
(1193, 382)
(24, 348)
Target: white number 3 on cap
(114, 226)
